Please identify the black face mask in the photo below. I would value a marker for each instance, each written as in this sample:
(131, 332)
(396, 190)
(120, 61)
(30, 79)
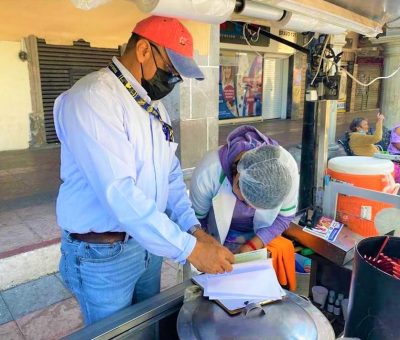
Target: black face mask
(158, 86)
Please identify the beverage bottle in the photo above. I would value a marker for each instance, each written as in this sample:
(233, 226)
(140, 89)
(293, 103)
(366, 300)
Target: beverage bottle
(336, 307)
(330, 305)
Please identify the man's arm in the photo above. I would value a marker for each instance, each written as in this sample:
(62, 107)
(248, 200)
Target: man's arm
(179, 207)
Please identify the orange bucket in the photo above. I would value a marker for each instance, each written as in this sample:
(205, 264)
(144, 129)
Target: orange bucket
(364, 172)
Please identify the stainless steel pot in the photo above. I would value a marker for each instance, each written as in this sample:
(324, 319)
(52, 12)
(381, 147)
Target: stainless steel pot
(292, 318)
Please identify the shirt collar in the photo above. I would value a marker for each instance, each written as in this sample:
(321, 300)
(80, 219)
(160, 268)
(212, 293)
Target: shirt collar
(129, 77)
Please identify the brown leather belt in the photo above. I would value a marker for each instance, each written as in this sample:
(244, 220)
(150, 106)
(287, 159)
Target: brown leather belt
(108, 237)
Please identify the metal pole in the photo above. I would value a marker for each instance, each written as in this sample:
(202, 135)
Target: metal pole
(323, 125)
(307, 168)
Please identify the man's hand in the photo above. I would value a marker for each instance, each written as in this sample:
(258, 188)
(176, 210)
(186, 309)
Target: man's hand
(202, 236)
(211, 258)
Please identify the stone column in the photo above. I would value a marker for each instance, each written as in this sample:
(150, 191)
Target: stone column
(390, 103)
(193, 107)
(36, 117)
(337, 42)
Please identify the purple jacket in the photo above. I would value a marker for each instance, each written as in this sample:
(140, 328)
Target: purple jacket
(241, 139)
(394, 138)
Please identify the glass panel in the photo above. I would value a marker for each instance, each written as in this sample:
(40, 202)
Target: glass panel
(240, 85)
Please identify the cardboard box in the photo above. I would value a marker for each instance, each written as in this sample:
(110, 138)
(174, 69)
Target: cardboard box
(340, 251)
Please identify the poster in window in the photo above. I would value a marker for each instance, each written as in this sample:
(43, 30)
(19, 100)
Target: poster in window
(227, 92)
(240, 87)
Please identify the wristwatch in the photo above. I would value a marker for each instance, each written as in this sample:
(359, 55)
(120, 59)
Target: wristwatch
(193, 229)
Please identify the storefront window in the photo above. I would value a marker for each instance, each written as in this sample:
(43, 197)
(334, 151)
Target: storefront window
(240, 85)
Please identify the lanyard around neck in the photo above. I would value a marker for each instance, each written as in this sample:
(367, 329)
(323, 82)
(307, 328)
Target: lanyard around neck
(167, 129)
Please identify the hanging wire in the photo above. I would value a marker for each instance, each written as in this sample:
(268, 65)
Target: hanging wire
(320, 60)
(308, 42)
(332, 62)
(373, 80)
(252, 34)
(343, 70)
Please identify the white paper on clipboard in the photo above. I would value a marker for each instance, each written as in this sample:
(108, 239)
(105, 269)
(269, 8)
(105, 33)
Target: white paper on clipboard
(253, 281)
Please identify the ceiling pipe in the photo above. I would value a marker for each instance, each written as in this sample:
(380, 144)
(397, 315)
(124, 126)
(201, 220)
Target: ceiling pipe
(249, 10)
(329, 13)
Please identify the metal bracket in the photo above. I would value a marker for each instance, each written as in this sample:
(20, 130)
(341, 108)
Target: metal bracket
(253, 306)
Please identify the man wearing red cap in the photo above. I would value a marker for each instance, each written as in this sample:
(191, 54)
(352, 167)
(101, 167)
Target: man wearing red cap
(123, 203)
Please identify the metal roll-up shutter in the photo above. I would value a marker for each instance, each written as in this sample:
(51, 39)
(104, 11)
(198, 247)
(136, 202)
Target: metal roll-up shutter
(272, 88)
(60, 67)
(368, 97)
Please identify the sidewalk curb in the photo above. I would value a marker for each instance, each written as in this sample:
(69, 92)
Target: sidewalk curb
(28, 266)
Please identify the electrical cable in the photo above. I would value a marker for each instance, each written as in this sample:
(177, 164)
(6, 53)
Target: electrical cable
(372, 81)
(308, 42)
(391, 21)
(251, 34)
(332, 62)
(360, 82)
(320, 60)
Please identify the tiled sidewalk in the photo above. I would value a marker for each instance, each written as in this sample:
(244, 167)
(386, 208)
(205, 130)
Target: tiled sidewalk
(27, 227)
(45, 309)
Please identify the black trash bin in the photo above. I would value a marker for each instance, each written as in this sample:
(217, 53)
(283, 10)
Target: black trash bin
(374, 302)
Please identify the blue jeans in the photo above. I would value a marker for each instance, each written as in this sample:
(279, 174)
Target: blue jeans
(106, 278)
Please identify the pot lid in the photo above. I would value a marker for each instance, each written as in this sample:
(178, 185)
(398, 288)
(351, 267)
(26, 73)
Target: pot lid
(292, 318)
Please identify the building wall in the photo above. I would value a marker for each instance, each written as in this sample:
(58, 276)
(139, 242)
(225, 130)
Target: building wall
(15, 100)
(59, 22)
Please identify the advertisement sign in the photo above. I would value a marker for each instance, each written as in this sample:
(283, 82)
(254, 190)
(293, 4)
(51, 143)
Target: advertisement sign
(240, 87)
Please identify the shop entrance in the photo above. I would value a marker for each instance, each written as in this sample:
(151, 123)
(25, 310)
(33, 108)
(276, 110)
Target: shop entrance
(274, 103)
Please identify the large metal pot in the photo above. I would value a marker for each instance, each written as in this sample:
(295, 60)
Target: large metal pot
(292, 318)
(374, 301)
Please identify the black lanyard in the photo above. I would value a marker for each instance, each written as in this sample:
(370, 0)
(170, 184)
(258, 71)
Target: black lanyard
(167, 129)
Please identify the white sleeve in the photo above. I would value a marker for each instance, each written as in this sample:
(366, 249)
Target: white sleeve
(205, 183)
(289, 205)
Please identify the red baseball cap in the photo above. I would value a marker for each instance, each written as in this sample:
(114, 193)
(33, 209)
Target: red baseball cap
(177, 41)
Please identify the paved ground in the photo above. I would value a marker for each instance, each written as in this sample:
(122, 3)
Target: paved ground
(29, 180)
(45, 309)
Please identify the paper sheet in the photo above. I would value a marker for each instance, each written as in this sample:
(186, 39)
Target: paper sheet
(260, 254)
(253, 281)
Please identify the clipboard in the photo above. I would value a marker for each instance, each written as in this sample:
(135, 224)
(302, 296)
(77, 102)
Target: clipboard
(233, 308)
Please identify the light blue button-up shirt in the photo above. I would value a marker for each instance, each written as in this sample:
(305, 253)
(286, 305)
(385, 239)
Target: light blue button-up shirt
(119, 172)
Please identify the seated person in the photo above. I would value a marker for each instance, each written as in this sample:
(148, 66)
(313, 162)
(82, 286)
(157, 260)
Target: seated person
(394, 149)
(394, 146)
(245, 194)
(362, 144)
